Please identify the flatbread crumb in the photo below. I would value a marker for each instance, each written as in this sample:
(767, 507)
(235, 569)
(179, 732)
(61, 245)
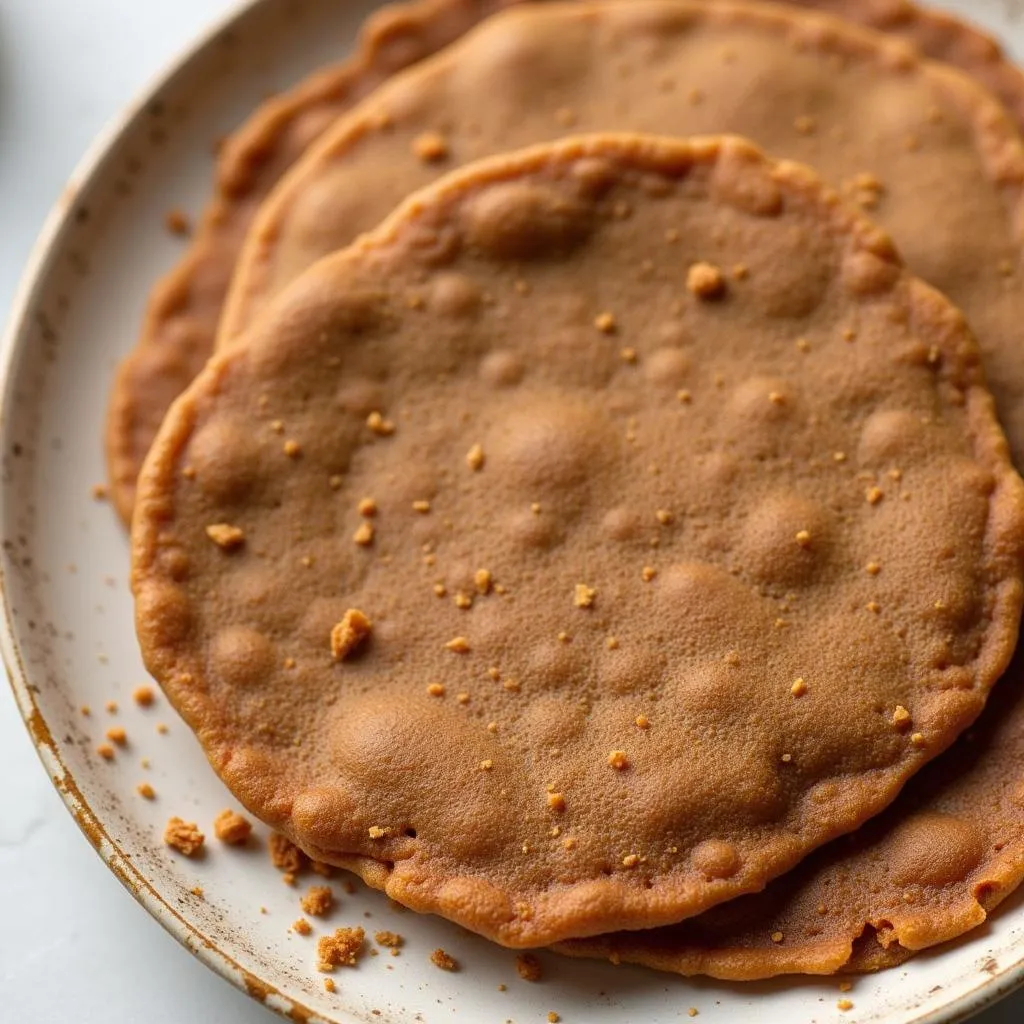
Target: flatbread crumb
(439, 958)
(430, 147)
(117, 734)
(184, 836)
(379, 425)
(705, 280)
(225, 536)
(528, 967)
(342, 949)
(349, 634)
(144, 696)
(177, 223)
(318, 900)
(232, 828)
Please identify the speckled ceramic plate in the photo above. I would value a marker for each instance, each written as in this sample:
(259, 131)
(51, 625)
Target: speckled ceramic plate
(68, 642)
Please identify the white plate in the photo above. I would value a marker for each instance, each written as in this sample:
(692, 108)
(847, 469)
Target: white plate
(67, 637)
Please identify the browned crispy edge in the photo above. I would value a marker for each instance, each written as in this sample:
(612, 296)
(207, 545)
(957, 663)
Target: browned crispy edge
(181, 673)
(872, 946)
(184, 307)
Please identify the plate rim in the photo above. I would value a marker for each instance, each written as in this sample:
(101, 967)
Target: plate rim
(43, 254)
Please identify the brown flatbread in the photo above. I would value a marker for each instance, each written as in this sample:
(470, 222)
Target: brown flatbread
(185, 307)
(614, 526)
(935, 159)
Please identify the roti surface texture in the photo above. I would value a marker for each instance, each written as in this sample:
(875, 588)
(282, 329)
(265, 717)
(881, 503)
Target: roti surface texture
(937, 161)
(602, 444)
(928, 869)
(185, 307)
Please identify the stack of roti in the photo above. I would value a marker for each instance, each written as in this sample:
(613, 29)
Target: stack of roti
(571, 476)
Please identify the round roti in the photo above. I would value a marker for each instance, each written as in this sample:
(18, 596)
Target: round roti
(184, 309)
(932, 156)
(614, 526)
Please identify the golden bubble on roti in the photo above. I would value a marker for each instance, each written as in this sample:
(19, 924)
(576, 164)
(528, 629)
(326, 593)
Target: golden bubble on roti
(571, 678)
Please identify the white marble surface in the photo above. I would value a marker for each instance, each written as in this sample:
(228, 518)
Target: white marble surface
(73, 944)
